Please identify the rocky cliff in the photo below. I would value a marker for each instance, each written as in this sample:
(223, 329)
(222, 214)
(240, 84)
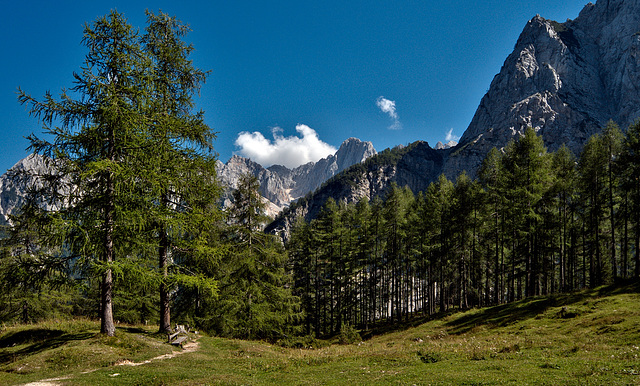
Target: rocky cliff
(280, 185)
(566, 80)
(16, 182)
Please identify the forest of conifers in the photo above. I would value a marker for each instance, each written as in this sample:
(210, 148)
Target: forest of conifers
(533, 223)
(125, 224)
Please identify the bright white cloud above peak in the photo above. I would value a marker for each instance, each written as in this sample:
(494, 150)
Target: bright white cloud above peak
(290, 151)
(389, 107)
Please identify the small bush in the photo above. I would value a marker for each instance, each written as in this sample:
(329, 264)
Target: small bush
(348, 335)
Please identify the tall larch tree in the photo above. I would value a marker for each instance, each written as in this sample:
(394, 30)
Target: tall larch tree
(612, 142)
(629, 163)
(94, 138)
(256, 291)
(181, 167)
(491, 177)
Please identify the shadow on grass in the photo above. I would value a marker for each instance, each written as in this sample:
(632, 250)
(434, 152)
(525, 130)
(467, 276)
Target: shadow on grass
(502, 315)
(506, 314)
(135, 330)
(386, 327)
(36, 341)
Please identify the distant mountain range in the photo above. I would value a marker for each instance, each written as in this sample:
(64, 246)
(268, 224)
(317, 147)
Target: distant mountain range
(278, 184)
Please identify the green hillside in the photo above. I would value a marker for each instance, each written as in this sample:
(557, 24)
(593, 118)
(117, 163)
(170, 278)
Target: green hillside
(590, 337)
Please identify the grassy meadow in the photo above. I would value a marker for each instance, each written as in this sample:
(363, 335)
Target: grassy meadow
(589, 337)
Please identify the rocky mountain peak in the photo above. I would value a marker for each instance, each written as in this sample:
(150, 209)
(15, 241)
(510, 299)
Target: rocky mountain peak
(565, 80)
(353, 151)
(442, 146)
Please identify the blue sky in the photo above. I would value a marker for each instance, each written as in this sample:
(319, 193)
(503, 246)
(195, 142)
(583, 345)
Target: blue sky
(295, 77)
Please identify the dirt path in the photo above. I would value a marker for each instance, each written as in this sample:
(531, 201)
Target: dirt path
(187, 348)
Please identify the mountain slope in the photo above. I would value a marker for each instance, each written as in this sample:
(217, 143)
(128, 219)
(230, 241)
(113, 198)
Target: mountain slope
(564, 80)
(414, 166)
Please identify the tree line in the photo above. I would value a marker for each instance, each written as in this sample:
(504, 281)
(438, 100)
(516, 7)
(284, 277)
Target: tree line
(532, 223)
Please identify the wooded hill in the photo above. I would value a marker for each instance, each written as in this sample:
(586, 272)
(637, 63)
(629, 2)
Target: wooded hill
(534, 223)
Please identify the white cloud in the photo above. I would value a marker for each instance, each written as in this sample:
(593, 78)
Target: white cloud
(451, 137)
(389, 107)
(288, 151)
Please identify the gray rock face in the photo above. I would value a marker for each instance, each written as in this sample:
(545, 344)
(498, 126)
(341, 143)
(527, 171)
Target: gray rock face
(280, 185)
(564, 80)
(442, 146)
(14, 186)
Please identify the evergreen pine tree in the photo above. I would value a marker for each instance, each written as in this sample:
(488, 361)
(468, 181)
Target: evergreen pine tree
(93, 149)
(181, 168)
(629, 163)
(255, 294)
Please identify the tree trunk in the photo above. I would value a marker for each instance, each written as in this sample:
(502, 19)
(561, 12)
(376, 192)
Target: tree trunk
(165, 309)
(106, 318)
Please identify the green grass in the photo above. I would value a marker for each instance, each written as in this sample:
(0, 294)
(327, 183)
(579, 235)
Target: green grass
(590, 337)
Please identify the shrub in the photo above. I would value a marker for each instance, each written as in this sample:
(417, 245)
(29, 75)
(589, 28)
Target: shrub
(348, 335)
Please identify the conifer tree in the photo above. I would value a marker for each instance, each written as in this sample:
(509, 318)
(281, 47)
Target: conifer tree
(439, 197)
(592, 170)
(630, 182)
(181, 168)
(564, 164)
(527, 172)
(303, 251)
(612, 142)
(491, 176)
(93, 147)
(364, 252)
(255, 293)
(126, 151)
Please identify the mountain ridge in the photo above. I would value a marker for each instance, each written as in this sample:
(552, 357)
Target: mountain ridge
(280, 185)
